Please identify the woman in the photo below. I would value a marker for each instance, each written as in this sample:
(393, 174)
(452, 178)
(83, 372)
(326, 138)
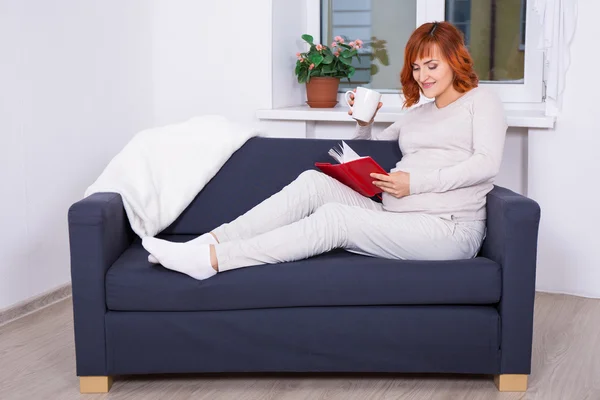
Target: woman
(433, 205)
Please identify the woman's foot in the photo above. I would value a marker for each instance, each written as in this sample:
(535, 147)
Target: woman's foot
(188, 258)
(207, 238)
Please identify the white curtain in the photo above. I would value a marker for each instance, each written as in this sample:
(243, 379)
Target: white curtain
(558, 19)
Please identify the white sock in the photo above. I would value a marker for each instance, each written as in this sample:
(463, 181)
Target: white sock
(207, 238)
(187, 258)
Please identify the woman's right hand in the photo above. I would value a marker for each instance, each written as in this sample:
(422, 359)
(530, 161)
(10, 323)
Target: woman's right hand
(360, 122)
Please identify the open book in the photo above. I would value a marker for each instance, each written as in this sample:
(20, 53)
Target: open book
(353, 170)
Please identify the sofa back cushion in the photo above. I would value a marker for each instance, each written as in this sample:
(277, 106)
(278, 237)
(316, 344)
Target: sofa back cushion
(260, 168)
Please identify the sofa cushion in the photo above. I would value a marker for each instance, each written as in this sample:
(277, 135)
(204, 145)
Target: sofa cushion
(337, 278)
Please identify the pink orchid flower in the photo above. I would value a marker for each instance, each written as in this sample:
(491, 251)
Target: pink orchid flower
(320, 47)
(351, 44)
(311, 66)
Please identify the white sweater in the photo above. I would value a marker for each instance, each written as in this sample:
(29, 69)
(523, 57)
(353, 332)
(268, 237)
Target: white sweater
(452, 154)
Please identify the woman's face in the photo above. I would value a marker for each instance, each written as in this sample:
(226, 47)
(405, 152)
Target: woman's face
(433, 74)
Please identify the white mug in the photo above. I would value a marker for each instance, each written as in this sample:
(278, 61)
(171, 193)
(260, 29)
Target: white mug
(365, 103)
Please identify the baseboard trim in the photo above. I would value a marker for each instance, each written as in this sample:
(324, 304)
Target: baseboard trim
(34, 304)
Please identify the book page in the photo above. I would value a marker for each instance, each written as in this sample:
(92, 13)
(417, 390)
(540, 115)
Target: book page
(348, 154)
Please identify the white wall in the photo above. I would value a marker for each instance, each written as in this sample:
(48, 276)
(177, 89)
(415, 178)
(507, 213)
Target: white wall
(564, 171)
(84, 77)
(211, 57)
(75, 85)
(286, 42)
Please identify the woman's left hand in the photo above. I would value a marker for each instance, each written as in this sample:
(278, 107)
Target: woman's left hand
(396, 183)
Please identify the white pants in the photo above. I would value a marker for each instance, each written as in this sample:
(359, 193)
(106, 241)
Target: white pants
(316, 213)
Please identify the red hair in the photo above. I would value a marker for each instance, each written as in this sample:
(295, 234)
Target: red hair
(449, 41)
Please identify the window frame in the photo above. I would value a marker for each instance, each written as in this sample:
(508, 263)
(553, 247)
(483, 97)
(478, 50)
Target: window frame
(531, 91)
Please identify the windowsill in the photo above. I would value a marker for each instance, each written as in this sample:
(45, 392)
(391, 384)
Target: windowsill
(515, 117)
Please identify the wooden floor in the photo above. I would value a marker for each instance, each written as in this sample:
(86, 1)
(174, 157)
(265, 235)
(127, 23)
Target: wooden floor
(37, 362)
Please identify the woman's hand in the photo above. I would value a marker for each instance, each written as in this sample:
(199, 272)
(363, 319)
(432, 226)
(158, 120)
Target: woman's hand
(360, 122)
(396, 183)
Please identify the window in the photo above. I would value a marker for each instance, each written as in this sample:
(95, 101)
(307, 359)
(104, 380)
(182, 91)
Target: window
(500, 39)
(458, 12)
(496, 46)
(383, 25)
(523, 24)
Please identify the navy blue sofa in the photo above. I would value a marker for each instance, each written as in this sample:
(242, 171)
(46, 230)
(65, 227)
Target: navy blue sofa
(338, 312)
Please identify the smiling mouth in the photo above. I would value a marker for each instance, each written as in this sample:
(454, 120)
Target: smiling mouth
(428, 85)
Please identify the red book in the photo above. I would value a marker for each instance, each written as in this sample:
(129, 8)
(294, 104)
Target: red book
(353, 171)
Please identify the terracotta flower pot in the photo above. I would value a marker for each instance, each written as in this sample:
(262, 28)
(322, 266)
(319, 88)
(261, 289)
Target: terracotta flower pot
(321, 92)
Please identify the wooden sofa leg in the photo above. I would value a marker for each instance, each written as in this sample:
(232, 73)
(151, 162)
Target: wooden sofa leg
(95, 384)
(511, 383)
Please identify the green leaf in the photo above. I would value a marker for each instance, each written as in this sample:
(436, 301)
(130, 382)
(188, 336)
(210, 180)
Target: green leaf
(316, 59)
(308, 39)
(347, 61)
(344, 45)
(346, 54)
(302, 72)
(328, 68)
(374, 69)
(351, 71)
(298, 67)
(328, 58)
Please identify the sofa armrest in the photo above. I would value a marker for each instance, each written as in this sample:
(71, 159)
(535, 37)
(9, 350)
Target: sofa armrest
(511, 241)
(99, 233)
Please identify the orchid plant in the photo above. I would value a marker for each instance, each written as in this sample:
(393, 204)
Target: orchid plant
(323, 61)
